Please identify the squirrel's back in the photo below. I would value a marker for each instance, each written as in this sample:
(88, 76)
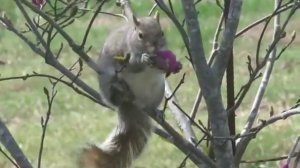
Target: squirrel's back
(115, 44)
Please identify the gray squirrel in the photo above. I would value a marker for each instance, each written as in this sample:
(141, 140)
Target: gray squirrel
(132, 81)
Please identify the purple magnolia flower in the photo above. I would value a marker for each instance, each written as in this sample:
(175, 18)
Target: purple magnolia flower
(168, 62)
(39, 3)
(283, 164)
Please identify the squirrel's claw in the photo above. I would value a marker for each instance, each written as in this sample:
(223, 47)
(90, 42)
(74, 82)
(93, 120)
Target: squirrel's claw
(147, 59)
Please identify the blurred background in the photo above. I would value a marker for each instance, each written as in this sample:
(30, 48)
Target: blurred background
(76, 121)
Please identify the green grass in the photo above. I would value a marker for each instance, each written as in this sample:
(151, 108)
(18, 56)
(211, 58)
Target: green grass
(76, 121)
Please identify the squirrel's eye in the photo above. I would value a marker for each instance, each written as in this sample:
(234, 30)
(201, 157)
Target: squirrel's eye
(141, 36)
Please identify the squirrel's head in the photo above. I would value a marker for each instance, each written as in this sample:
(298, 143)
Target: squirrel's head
(148, 31)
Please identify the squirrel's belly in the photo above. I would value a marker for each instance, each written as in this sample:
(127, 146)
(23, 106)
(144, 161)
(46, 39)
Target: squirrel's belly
(147, 86)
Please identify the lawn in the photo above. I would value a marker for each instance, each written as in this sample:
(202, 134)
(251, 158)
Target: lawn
(76, 121)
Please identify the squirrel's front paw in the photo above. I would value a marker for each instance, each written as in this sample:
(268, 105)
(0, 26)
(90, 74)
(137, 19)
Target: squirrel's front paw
(120, 92)
(147, 59)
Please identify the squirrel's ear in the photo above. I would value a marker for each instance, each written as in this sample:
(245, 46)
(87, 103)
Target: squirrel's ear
(156, 16)
(135, 21)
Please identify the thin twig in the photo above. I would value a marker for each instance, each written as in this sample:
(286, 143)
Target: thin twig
(9, 26)
(76, 48)
(201, 127)
(183, 162)
(287, 45)
(270, 59)
(171, 7)
(186, 147)
(9, 158)
(91, 23)
(263, 32)
(126, 6)
(69, 84)
(219, 5)
(53, 62)
(170, 94)
(44, 122)
(243, 142)
(281, 116)
(281, 34)
(196, 2)
(283, 8)
(274, 159)
(152, 9)
(255, 74)
(183, 122)
(174, 19)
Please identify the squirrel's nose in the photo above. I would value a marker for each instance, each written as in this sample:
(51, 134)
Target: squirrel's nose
(150, 49)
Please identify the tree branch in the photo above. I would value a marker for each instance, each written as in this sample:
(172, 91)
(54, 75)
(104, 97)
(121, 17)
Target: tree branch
(197, 156)
(9, 158)
(44, 122)
(91, 23)
(209, 84)
(242, 143)
(76, 48)
(274, 159)
(69, 84)
(183, 122)
(12, 147)
(53, 62)
(126, 6)
(283, 8)
(181, 30)
(223, 54)
(282, 116)
(210, 61)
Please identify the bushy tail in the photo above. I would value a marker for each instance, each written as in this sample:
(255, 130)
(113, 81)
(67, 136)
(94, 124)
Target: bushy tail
(124, 144)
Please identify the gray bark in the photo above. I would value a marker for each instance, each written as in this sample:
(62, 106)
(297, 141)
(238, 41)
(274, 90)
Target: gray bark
(209, 80)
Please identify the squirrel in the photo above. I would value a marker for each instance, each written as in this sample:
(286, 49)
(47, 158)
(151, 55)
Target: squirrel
(132, 81)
